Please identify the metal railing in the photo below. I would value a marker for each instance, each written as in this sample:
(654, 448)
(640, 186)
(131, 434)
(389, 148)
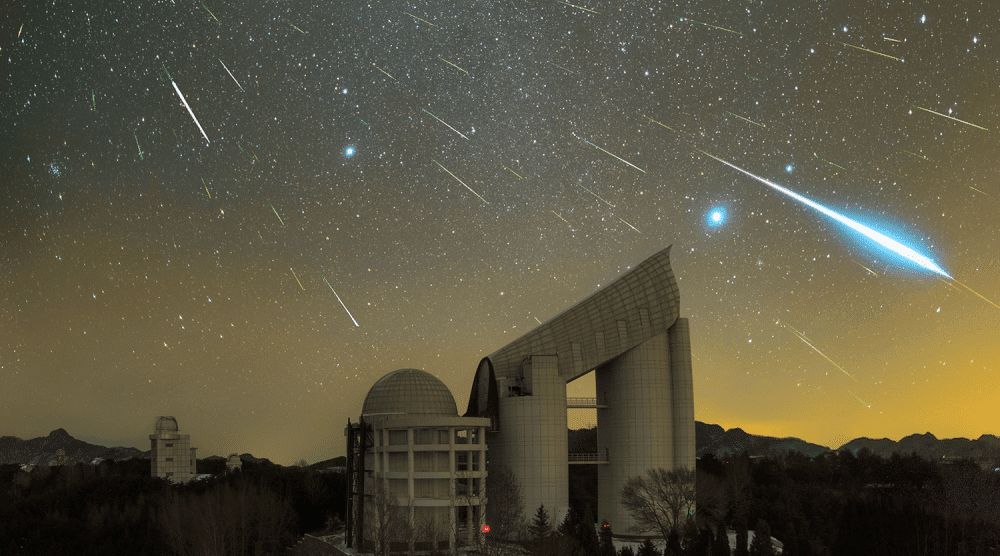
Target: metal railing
(582, 403)
(587, 458)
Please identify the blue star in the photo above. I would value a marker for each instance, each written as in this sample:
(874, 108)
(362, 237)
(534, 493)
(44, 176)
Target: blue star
(789, 168)
(349, 152)
(716, 217)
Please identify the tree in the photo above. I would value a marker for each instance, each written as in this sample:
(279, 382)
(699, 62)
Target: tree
(540, 531)
(626, 551)
(647, 548)
(504, 513)
(659, 500)
(607, 542)
(742, 536)
(673, 547)
(383, 520)
(761, 545)
(720, 545)
(690, 538)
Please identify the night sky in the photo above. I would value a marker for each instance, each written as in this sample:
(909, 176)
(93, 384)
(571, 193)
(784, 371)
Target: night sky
(448, 174)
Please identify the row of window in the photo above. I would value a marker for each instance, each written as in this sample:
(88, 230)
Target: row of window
(434, 436)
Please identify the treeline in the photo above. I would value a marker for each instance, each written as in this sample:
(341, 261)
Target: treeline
(118, 508)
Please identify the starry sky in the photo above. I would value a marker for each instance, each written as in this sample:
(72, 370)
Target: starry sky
(348, 188)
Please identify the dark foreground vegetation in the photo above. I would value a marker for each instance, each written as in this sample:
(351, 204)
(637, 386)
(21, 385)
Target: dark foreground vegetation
(117, 508)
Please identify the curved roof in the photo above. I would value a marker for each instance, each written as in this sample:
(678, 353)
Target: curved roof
(409, 392)
(166, 424)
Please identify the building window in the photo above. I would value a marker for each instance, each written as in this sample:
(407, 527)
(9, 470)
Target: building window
(423, 436)
(461, 436)
(170, 474)
(397, 438)
(170, 459)
(170, 445)
(443, 437)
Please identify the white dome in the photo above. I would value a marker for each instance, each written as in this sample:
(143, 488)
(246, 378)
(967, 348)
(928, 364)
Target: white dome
(410, 392)
(166, 424)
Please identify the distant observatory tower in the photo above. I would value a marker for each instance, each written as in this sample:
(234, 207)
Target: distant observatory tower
(171, 454)
(630, 334)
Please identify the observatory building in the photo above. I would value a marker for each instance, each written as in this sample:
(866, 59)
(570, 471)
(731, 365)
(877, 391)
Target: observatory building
(411, 445)
(631, 335)
(171, 454)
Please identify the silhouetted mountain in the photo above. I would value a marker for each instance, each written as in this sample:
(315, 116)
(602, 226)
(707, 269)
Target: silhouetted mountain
(713, 439)
(42, 450)
(984, 449)
(340, 461)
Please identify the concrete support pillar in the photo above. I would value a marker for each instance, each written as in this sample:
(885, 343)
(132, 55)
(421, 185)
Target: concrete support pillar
(683, 393)
(635, 429)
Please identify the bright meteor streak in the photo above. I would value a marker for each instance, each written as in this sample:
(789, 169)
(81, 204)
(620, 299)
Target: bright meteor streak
(230, 74)
(297, 278)
(745, 119)
(579, 7)
(872, 51)
(445, 123)
(607, 153)
(462, 182)
(878, 237)
(341, 302)
(806, 341)
(949, 117)
(188, 106)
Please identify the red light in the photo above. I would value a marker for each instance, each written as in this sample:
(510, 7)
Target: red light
(486, 528)
(606, 525)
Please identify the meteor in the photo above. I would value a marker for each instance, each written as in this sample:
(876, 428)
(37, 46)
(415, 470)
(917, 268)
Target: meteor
(806, 341)
(385, 72)
(188, 106)
(709, 25)
(206, 188)
(560, 67)
(579, 7)
(137, 145)
(607, 153)
(297, 278)
(878, 237)
(872, 51)
(745, 119)
(816, 156)
(631, 226)
(599, 197)
(418, 19)
(341, 302)
(949, 117)
(460, 181)
(515, 173)
(664, 125)
(859, 399)
(210, 12)
(230, 74)
(445, 123)
(278, 215)
(451, 64)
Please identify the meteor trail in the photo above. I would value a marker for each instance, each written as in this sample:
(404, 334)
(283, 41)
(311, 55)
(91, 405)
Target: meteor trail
(709, 25)
(806, 341)
(859, 399)
(560, 67)
(891, 39)
(631, 226)
(188, 106)
(462, 182)
(878, 237)
(917, 155)
(606, 152)
(445, 123)
(599, 197)
(341, 302)
(297, 278)
(297, 29)
(578, 7)
(949, 117)
(828, 162)
(385, 72)
(417, 18)
(664, 125)
(872, 51)
(230, 74)
(278, 215)
(745, 119)
(210, 12)
(137, 145)
(451, 64)
(975, 293)
(561, 218)
(93, 101)
(513, 172)
(870, 270)
(983, 192)
(206, 187)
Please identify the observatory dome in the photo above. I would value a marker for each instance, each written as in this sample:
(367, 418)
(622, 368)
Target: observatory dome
(166, 424)
(410, 392)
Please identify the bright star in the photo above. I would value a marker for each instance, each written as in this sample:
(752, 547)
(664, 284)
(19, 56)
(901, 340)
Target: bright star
(349, 151)
(789, 168)
(716, 217)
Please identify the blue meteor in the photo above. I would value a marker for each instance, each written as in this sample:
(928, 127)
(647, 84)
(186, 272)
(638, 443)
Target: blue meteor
(879, 238)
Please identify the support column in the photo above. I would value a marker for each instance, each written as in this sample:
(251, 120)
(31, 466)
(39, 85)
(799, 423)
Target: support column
(636, 428)
(683, 393)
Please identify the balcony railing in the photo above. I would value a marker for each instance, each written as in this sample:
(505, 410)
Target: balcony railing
(584, 403)
(581, 458)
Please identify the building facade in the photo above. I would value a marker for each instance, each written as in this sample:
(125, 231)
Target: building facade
(171, 454)
(631, 335)
(411, 446)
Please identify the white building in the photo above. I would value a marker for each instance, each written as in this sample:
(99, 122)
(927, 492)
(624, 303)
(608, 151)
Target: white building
(171, 455)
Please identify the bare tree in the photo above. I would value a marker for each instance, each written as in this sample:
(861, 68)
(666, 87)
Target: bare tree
(659, 500)
(504, 515)
(383, 520)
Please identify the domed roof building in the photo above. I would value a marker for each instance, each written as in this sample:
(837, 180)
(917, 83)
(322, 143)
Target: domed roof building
(411, 445)
(171, 455)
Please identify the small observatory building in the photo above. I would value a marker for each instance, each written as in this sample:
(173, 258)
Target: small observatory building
(171, 455)
(412, 453)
